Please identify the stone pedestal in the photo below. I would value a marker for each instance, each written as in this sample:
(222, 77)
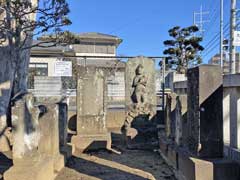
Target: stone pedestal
(29, 169)
(91, 111)
(140, 127)
(204, 136)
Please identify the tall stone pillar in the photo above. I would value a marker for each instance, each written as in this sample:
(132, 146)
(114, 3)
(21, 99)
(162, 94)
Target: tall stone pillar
(205, 111)
(91, 111)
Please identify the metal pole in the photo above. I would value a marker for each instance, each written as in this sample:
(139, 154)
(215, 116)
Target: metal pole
(232, 65)
(163, 88)
(221, 33)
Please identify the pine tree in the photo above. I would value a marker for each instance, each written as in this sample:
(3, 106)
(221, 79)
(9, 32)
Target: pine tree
(184, 48)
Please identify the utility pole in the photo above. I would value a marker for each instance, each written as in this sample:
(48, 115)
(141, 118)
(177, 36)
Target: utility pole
(232, 64)
(198, 19)
(221, 33)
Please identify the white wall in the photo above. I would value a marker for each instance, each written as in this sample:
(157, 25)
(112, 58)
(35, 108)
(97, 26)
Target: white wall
(231, 116)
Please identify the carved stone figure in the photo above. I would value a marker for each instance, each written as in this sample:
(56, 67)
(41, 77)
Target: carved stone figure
(140, 107)
(139, 85)
(140, 123)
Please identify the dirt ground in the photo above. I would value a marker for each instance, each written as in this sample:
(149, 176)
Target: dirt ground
(130, 165)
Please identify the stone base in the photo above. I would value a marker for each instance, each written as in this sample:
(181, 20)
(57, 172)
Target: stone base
(41, 170)
(213, 169)
(59, 163)
(187, 167)
(82, 143)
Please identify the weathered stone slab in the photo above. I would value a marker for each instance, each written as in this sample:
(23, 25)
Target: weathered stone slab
(91, 108)
(140, 101)
(36, 140)
(181, 118)
(205, 114)
(26, 131)
(50, 142)
(63, 123)
(149, 71)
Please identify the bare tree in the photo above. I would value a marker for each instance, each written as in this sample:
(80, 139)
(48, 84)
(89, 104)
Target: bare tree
(20, 21)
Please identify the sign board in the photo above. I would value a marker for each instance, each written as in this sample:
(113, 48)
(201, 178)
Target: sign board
(236, 38)
(63, 68)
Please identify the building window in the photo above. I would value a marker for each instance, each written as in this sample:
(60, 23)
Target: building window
(36, 69)
(116, 85)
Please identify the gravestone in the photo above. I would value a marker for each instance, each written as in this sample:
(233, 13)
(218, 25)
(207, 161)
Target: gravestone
(181, 117)
(170, 122)
(28, 162)
(140, 101)
(176, 110)
(204, 135)
(36, 140)
(53, 127)
(91, 111)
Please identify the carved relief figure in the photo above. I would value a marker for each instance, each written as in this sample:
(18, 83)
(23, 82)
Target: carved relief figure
(139, 85)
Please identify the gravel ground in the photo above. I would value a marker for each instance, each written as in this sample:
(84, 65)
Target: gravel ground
(130, 165)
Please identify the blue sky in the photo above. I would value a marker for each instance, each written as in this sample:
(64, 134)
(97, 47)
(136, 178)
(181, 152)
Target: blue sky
(143, 24)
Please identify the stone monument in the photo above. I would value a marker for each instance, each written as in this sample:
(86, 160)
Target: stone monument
(36, 140)
(140, 99)
(205, 114)
(91, 111)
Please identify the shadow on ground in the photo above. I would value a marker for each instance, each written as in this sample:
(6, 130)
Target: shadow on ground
(5, 163)
(130, 165)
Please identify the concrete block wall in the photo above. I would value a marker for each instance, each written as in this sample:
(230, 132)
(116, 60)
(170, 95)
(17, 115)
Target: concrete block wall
(231, 115)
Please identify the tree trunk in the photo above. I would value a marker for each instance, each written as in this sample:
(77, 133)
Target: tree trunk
(6, 82)
(13, 80)
(14, 63)
(21, 77)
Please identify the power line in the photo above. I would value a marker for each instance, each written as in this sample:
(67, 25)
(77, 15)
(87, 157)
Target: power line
(209, 51)
(213, 17)
(216, 36)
